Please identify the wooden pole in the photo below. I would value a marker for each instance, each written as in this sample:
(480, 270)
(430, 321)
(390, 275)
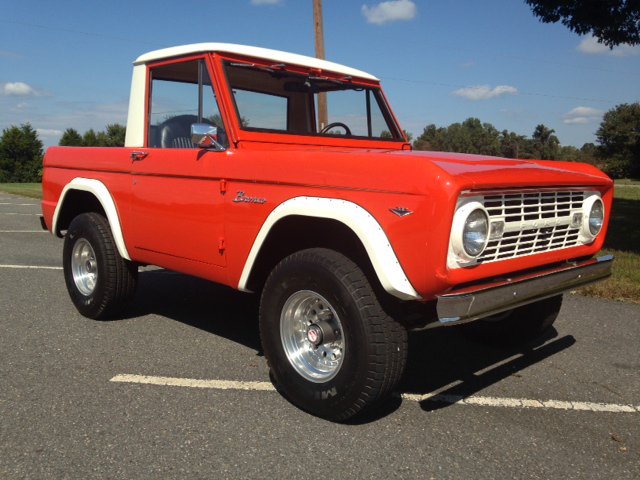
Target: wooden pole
(319, 36)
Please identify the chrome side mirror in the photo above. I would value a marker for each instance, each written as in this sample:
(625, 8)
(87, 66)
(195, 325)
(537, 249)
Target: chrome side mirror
(205, 136)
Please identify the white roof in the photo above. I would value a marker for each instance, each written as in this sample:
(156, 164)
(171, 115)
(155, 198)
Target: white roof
(276, 55)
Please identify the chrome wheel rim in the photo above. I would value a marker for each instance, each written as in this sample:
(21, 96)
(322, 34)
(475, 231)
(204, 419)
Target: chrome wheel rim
(312, 336)
(84, 267)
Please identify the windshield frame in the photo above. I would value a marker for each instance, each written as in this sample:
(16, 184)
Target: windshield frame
(224, 61)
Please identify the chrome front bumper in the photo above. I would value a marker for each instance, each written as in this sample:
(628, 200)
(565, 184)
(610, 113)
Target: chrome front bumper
(478, 301)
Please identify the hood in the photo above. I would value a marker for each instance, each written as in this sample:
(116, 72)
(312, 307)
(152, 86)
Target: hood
(412, 172)
(473, 172)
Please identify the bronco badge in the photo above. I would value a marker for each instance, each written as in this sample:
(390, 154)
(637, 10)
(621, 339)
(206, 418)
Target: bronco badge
(242, 198)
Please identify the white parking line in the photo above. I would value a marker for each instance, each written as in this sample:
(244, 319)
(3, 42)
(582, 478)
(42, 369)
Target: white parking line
(193, 383)
(20, 204)
(30, 267)
(439, 398)
(24, 214)
(523, 403)
(24, 231)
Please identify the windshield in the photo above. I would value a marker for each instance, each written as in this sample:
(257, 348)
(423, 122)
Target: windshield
(270, 99)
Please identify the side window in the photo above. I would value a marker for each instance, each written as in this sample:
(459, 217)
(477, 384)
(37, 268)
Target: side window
(182, 94)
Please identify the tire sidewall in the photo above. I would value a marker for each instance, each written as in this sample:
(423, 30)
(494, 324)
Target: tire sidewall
(335, 394)
(91, 305)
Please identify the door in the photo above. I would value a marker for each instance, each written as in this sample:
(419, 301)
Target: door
(176, 188)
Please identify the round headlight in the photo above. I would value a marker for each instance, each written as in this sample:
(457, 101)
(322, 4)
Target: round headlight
(596, 217)
(592, 218)
(475, 232)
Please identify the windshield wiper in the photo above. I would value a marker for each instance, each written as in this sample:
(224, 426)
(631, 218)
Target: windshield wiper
(337, 81)
(254, 66)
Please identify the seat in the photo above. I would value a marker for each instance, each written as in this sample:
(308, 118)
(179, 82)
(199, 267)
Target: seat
(175, 132)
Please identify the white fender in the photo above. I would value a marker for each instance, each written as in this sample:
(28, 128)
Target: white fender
(368, 230)
(101, 192)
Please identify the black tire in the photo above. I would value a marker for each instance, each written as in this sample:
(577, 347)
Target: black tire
(115, 278)
(374, 346)
(517, 326)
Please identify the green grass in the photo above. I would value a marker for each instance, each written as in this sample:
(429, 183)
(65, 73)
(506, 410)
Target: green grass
(623, 240)
(627, 181)
(33, 190)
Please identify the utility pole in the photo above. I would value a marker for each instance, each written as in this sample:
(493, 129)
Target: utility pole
(319, 35)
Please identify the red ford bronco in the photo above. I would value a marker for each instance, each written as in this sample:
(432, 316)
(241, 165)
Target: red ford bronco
(290, 177)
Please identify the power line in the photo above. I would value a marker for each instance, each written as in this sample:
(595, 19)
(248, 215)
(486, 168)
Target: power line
(532, 60)
(426, 82)
(80, 32)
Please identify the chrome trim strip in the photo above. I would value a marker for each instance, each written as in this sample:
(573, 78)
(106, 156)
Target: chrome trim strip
(478, 301)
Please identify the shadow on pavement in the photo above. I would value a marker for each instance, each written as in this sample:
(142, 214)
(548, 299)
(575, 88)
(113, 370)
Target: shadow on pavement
(205, 305)
(441, 360)
(447, 362)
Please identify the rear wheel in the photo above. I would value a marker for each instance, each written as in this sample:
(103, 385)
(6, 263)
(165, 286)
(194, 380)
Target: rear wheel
(99, 281)
(331, 348)
(519, 325)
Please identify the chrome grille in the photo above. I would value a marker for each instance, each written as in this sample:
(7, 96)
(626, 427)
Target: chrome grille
(534, 222)
(518, 207)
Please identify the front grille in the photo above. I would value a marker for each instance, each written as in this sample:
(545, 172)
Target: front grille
(534, 222)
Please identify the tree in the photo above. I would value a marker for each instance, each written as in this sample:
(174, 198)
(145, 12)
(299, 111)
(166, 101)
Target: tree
(115, 134)
(70, 138)
(513, 145)
(429, 138)
(20, 154)
(589, 153)
(473, 136)
(545, 144)
(90, 138)
(470, 136)
(612, 22)
(569, 154)
(619, 140)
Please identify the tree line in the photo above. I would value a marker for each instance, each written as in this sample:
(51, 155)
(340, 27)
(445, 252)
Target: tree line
(21, 150)
(616, 151)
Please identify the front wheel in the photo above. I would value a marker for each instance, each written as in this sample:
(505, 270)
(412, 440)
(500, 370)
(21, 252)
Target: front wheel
(331, 348)
(99, 281)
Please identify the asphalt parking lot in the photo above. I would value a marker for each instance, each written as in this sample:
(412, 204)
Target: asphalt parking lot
(179, 389)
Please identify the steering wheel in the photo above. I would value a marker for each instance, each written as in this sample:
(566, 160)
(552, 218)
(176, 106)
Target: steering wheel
(347, 130)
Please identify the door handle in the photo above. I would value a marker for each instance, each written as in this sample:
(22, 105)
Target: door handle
(137, 156)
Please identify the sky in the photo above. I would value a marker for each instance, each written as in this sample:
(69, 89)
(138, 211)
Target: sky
(67, 63)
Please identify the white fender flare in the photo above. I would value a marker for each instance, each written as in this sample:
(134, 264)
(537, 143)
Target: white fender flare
(361, 222)
(100, 191)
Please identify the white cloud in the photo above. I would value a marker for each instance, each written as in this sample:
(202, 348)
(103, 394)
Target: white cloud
(48, 132)
(17, 89)
(485, 92)
(582, 116)
(590, 46)
(390, 11)
(266, 2)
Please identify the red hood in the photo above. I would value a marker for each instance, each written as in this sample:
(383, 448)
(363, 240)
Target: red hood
(413, 172)
(479, 172)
